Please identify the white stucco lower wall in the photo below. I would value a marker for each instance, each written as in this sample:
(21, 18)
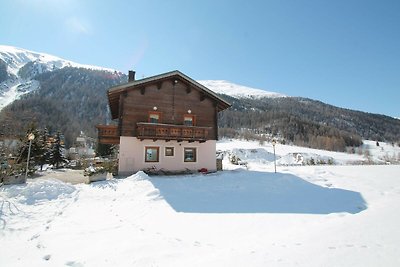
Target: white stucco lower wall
(132, 155)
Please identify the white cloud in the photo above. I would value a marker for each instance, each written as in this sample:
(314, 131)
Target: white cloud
(77, 25)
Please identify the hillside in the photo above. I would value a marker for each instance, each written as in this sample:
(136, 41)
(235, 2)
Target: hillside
(19, 67)
(71, 97)
(307, 122)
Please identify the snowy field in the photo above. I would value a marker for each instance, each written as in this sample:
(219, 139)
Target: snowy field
(327, 215)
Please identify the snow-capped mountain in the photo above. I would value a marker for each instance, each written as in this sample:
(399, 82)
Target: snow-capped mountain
(238, 91)
(16, 58)
(21, 65)
(18, 66)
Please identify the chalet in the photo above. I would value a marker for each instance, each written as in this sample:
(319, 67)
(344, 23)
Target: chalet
(168, 121)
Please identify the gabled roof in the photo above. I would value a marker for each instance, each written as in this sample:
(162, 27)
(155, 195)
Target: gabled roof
(114, 92)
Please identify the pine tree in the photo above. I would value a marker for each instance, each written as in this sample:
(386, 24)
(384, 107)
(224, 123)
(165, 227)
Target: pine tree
(56, 152)
(45, 146)
(35, 145)
(104, 150)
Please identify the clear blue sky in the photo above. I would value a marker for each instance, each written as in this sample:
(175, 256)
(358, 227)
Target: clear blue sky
(342, 52)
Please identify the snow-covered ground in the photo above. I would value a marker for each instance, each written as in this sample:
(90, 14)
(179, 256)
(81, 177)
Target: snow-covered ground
(324, 215)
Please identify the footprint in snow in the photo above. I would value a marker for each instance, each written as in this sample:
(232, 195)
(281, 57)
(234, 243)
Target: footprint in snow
(34, 237)
(40, 246)
(74, 264)
(47, 257)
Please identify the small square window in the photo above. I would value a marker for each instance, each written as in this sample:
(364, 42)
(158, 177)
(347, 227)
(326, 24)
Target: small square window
(154, 117)
(151, 154)
(190, 154)
(169, 151)
(189, 120)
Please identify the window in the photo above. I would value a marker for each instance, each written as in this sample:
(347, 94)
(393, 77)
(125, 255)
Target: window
(154, 117)
(189, 120)
(190, 154)
(169, 151)
(151, 154)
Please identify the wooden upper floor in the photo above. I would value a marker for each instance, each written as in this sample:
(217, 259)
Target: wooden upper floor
(169, 106)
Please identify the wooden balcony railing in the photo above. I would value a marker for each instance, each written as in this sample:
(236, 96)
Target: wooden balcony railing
(108, 134)
(172, 132)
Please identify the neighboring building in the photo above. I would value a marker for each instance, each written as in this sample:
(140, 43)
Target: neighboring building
(83, 147)
(168, 121)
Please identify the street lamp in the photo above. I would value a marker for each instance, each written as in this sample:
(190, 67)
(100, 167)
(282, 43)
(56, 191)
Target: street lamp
(273, 144)
(31, 136)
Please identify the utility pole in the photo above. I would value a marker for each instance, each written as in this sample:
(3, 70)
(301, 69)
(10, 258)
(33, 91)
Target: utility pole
(31, 136)
(273, 144)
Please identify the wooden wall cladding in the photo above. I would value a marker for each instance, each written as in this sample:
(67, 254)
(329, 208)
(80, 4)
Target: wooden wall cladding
(173, 99)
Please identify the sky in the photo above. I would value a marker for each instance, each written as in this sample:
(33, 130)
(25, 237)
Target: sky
(344, 52)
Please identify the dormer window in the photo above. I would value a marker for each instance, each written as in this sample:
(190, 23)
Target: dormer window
(154, 117)
(189, 120)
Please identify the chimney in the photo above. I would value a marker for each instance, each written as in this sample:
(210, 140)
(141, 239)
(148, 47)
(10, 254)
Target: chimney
(131, 76)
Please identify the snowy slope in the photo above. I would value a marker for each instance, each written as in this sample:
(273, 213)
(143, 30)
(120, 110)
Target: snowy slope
(14, 90)
(18, 57)
(34, 63)
(235, 90)
(300, 216)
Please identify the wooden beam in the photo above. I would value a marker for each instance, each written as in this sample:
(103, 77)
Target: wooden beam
(159, 85)
(202, 97)
(188, 89)
(142, 90)
(120, 115)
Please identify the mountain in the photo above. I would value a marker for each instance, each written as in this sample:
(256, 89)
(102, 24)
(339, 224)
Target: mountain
(19, 66)
(52, 92)
(17, 58)
(71, 97)
(305, 122)
(237, 91)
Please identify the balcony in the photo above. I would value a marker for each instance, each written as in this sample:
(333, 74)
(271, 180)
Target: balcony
(108, 134)
(168, 132)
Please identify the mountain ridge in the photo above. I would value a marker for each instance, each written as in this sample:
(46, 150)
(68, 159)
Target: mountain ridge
(16, 57)
(73, 99)
(236, 90)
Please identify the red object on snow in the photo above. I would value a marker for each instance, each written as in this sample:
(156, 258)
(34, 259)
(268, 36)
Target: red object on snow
(203, 170)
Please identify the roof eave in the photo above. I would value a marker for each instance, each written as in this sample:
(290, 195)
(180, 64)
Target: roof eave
(114, 92)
